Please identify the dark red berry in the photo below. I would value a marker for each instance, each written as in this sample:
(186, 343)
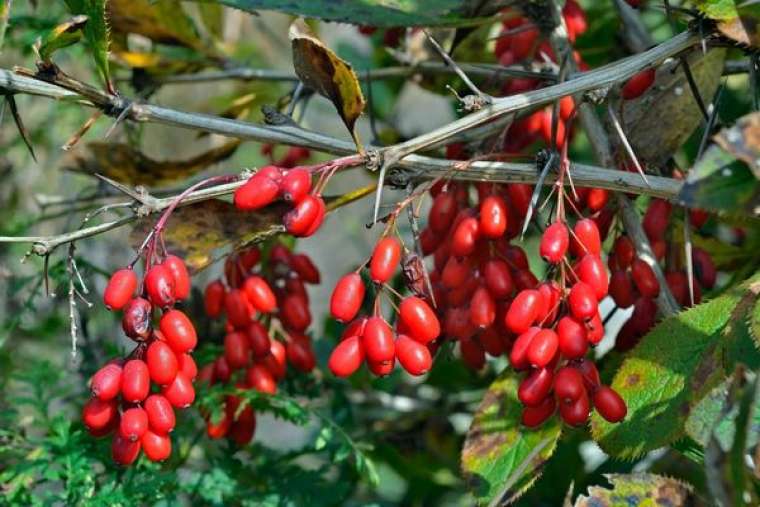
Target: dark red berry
(213, 299)
(621, 289)
(302, 264)
(542, 348)
(568, 384)
(294, 312)
(133, 424)
(123, 451)
(258, 339)
(609, 404)
(533, 417)
(576, 413)
(261, 379)
(237, 349)
(300, 354)
(518, 357)
(498, 279)
(136, 321)
(644, 278)
(704, 268)
(238, 308)
(535, 387)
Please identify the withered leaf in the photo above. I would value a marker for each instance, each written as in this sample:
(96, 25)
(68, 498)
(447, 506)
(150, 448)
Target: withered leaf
(637, 489)
(658, 123)
(743, 141)
(319, 68)
(739, 21)
(200, 232)
(125, 164)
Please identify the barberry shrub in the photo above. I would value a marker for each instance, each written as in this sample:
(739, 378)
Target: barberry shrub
(553, 298)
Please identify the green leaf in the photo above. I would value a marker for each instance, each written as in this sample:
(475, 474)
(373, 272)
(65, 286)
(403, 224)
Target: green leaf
(382, 13)
(679, 359)
(61, 36)
(501, 459)
(95, 32)
(637, 489)
(737, 20)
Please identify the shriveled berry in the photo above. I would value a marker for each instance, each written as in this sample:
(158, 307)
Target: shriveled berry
(179, 331)
(213, 299)
(523, 311)
(609, 404)
(137, 318)
(554, 242)
(347, 297)
(572, 338)
(638, 84)
(260, 294)
(180, 392)
(162, 363)
(159, 284)
(181, 277)
(259, 191)
(106, 383)
(295, 184)
(582, 301)
(135, 381)
(377, 341)
(413, 356)
(160, 413)
(123, 451)
(419, 319)
(347, 357)
(121, 286)
(157, 447)
(385, 260)
(535, 387)
(133, 424)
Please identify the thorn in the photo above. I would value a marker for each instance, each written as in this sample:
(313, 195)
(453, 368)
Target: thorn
(693, 87)
(626, 144)
(137, 196)
(537, 193)
(713, 110)
(688, 253)
(20, 125)
(122, 115)
(484, 97)
(379, 192)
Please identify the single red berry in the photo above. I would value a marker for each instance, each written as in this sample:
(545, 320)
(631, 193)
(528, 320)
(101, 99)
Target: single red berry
(159, 284)
(456, 271)
(261, 379)
(179, 331)
(549, 302)
(624, 251)
(98, 414)
(258, 339)
(244, 427)
(120, 289)
(568, 384)
(237, 350)
(644, 278)
(385, 259)
(300, 354)
(259, 191)
(106, 383)
(162, 363)
(457, 324)
(582, 301)
(532, 417)
(493, 217)
(587, 238)
(704, 268)
(638, 84)
(299, 220)
(609, 404)
(465, 237)
(554, 242)
(123, 451)
(414, 357)
(382, 369)
(535, 387)
(347, 297)
(482, 308)
(160, 413)
(597, 199)
(260, 294)
(294, 312)
(576, 413)
(216, 429)
(377, 341)
(187, 365)
(180, 392)
(305, 268)
(419, 319)
(473, 354)
(249, 257)
(595, 329)
(525, 279)
(644, 313)
(442, 212)
(133, 424)
(137, 318)
(177, 268)
(523, 311)
(347, 357)
(295, 184)
(276, 361)
(656, 219)
(213, 299)
(317, 223)
(592, 271)
(135, 381)
(498, 279)
(518, 356)
(589, 372)
(542, 348)
(491, 340)
(157, 447)
(621, 289)
(238, 308)
(222, 371)
(572, 338)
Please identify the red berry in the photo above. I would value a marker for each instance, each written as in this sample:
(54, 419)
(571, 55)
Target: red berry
(549, 302)
(493, 217)
(419, 319)
(136, 319)
(535, 387)
(98, 414)
(123, 451)
(237, 350)
(377, 341)
(300, 219)
(638, 84)
(162, 363)
(589, 372)
(554, 242)
(572, 338)
(587, 238)
(382, 369)
(624, 251)
(181, 277)
(213, 299)
(261, 379)
(249, 257)
(644, 278)
(257, 192)
(187, 366)
(582, 301)
(347, 357)
(160, 414)
(347, 297)
(106, 383)
(180, 392)
(518, 357)
(133, 424)
(317, 223)
(302, 264)
(597, 199)
(704, 268)
(520, 195)
(157, 447)
(609, 404)
(523, 311)
(498, 279)
(295, 184)
(159, 284)
(542, 348)
(576, 413)
(591, 270)
(533, 417)
(120, 289)
(299, 353)
(643, 316)
(656, 219)
(491, 340)
(621, 289)
(216, 429)
(456, 271)
(595, 329)
(179, 331)
(482, 308)
(135, 381)
(294, 312)
(385, 259)
(260, 294)
(473, 354)
(568, 384)
(258, 339)
(238, 309)
(414, 357)
(442, 212)
(465, 237)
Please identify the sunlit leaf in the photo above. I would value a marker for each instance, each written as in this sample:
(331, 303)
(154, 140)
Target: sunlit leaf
(321, 69)
(501, 458)
(637, 489)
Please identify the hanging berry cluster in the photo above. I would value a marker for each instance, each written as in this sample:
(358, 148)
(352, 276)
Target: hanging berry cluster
(258, 300)
(122, 400)
(371, 338)
(633, 282)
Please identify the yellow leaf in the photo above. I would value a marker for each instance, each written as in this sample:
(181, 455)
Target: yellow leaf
(61, 36)
(125, 164)
(319, 68)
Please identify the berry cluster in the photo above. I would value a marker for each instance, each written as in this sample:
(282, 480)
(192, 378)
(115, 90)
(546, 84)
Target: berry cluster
(292, 186)
(371, 338)
(122, 397)
(258, 297)
(633, 282)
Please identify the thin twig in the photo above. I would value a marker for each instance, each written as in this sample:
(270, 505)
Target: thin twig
(627, 145)
(458, 70)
